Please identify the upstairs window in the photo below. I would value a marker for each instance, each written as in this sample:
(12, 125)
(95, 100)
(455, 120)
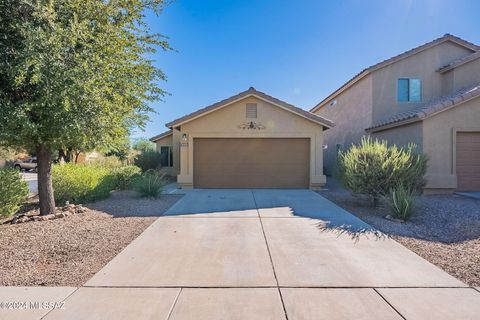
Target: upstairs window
(251, 111)
(409, 90)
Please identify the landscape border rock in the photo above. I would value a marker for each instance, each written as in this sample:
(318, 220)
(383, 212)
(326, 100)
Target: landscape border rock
(34, 215)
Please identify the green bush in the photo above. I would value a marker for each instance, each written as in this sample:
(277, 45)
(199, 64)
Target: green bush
(148, 160)
(401, 202)
(149, 184)
(374, 168)
(110, 162)
(81, 183)
(123, 176)
(13, 191)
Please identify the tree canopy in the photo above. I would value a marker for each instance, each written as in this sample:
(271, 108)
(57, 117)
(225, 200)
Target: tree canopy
(143, 144)
(75, 73)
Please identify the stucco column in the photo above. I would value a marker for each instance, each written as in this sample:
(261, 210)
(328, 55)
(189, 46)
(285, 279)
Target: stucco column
(185, 178)
(317, 178)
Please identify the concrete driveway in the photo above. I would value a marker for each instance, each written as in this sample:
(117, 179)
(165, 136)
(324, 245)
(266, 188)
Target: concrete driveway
(267, 254)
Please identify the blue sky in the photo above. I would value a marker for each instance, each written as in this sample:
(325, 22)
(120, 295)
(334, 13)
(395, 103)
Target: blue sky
(298, 51)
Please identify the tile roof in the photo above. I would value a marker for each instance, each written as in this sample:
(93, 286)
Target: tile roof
(161, 135)
(252, 92)
(460, 61)
(428, 109)
(384, 63)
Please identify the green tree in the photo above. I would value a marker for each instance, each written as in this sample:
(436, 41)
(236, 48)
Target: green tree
(143, 145)
(121, 149)
(74, 73)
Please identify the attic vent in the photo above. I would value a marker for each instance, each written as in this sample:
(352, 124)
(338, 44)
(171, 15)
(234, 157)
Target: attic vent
(251, 110)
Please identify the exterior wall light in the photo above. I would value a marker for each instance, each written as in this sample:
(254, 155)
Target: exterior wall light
(184, 140)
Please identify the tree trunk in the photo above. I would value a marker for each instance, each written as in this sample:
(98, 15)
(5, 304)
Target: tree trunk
(45, 188)
(61, 156)
(77, 154)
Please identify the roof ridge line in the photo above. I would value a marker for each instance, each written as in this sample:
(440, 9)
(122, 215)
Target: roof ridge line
(251, 91)
(393, 59)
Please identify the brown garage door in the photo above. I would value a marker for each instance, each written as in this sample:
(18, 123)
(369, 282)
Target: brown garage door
(251, 163)
(468, 161)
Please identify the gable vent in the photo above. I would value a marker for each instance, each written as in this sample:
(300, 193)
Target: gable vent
(251, 110)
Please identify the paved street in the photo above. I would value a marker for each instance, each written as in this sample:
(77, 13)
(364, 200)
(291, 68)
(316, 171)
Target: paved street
(31, 178)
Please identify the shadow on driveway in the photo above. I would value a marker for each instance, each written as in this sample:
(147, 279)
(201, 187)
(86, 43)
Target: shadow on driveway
(273, 203)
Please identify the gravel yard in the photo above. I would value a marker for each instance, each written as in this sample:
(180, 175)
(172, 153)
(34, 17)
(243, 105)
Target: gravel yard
(70, 250)
(444, 231)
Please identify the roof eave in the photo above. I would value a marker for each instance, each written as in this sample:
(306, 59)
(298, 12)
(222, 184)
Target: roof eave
(344, 87)
(456, 65)
(180, 122)
(394, 125)
(392, 60)
(160, 136)
(424, 115)
(324, 122)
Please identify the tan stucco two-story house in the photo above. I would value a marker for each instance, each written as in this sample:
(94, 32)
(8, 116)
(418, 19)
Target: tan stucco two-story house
(429, 96)
(250, 140)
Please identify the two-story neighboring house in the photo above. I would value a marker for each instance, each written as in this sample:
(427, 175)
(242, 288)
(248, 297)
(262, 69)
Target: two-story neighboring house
(430, 96)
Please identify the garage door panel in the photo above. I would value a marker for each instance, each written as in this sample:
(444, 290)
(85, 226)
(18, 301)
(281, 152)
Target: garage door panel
(251, 163)
(468, 161)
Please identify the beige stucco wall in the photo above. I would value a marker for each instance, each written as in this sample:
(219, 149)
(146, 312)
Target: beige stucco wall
(424, 66)
(164, 142)
(466, 74)
(447, 83)
(404, 135)
(278, 123)
(439, 143)
(351, 114)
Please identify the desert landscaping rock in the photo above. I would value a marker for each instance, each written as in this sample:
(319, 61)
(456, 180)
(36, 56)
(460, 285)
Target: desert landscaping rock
(70, 250)
(128, 203)
(34, 214)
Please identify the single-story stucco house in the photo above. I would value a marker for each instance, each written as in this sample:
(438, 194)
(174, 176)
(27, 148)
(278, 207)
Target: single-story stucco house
(250, 140)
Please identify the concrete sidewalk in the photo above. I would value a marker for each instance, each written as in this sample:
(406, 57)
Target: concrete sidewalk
(267, 254)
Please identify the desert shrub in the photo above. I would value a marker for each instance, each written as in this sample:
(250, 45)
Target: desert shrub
(401, 202)
(123, 176)
(81, 183)
(149, 184)
(13, 191)
(148, 160)
(110, 162)
(375, 168)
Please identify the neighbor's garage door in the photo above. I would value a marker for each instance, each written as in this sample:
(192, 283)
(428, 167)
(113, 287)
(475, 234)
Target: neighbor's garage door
(251, 163)
(468, 161)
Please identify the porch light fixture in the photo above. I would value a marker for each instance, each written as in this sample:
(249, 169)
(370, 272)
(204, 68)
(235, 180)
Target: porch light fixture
(184, 140)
